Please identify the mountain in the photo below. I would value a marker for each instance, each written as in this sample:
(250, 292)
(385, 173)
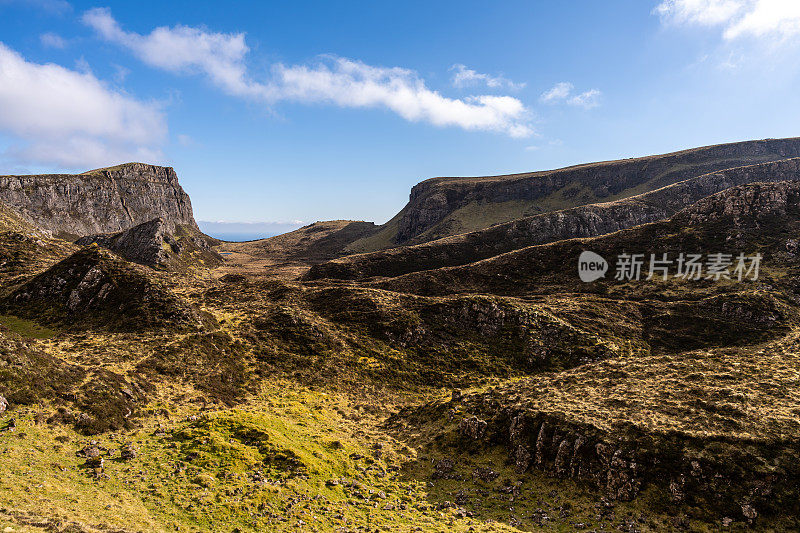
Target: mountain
(105, 200)
(759, 217)
(583, 221)
(703, 415)
(470, 383)
(441, 207)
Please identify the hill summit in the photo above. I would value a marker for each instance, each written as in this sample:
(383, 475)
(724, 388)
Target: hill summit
(104, 200)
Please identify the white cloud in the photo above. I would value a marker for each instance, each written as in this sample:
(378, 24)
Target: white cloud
(737, 18)
(563, 92)
(558, 92)
(52, 40)
(120, 73)
(349, 83)
(339, 81)
(587, 99)
(705, 12)
(550, 144)
(58, 116)
(183, 49)
(186, 140)
(464, 77)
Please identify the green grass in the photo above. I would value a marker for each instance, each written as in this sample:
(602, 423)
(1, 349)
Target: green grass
(289, 456)
(26, 328)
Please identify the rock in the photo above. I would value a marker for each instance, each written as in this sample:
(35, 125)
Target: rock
(749, 511)
(3, 404)
(517, 430)
(622, 481)
(577, 463)
(522, 459)
(93, 456)
(473, 427)
(443, 469)
(484, 474)
(696, 469)
(152, 244)
(101, 201)
(676, 489)
(11, 425)
(562, 461)
(127, 452)
(541, 446)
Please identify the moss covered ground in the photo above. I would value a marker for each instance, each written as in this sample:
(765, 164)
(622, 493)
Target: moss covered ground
(252, 402)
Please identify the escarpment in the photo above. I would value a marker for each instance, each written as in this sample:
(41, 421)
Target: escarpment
(440, 207)
(106, 200)
(583, 221)
(681, 469)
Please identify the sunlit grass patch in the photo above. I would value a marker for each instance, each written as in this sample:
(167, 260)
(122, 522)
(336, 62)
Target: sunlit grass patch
(25, 328)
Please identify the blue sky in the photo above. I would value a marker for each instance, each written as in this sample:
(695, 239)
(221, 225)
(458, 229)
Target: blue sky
(304, 111)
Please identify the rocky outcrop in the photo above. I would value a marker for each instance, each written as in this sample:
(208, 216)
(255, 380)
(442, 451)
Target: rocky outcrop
(583, 221)
(100, 201)
(152, 244)
(745, 205)
(144, 244)
(94, 288)
(685, 469)
(11, 221)
(433, 200)
(543, 269)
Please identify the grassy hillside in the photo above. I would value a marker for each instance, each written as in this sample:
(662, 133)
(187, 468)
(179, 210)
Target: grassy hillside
(502, 395)
(584, 221)
(441, 207)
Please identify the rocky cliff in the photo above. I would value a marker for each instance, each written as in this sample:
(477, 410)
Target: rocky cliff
(582, 221)
(440, 207)
(100, 201)
(747, 227)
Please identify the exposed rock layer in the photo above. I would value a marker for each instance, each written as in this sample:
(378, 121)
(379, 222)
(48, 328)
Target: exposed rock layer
(583, 221)
(100, 201)
(152, 244)
(434, 199)
(693, 471)
(94, 288)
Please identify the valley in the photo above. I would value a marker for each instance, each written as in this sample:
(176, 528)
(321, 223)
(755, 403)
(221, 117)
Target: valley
(446, 371)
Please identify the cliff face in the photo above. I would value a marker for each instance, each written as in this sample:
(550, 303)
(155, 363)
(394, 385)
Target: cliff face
(758, 217)
(582, 221)
(746, 206)
(100, 201)
(439, 207)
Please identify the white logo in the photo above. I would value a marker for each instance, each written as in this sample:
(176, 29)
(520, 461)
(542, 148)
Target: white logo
(591, 266)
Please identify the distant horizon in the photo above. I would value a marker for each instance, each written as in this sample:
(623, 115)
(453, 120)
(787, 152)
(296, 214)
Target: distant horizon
(246, 231)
